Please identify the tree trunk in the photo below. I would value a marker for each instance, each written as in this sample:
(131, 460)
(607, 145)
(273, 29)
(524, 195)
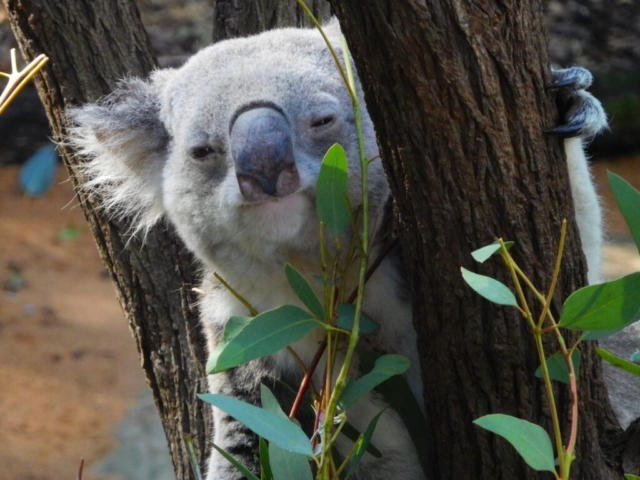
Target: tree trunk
(238, 18)
(87, 58)
(457, 94)
(91, 45)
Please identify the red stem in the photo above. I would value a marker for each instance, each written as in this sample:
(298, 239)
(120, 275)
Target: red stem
(306, 380)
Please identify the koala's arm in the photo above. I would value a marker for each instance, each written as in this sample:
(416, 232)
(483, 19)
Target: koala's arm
(583, 118)
(241, 383)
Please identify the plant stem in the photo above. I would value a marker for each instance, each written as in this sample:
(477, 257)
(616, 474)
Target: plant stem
(546, 302)
(18, 79)
(538, 338)
(341, 382)
(240, 298)
(307, 380)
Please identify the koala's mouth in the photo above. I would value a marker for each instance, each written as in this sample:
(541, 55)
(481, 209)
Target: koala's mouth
(278, 219)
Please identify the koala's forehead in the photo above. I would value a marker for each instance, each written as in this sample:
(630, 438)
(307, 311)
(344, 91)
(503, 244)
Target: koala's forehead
(291, 68)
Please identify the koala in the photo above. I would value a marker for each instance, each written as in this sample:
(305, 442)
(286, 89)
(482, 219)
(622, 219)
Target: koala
(227, 149)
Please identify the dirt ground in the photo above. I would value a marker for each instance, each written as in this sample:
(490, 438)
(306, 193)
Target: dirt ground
(68, 364)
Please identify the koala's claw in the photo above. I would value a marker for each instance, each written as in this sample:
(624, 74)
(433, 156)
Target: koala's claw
(582, 114)
(574, 78)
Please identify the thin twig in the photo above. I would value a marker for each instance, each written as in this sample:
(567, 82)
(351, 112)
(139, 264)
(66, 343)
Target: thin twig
(307, 380)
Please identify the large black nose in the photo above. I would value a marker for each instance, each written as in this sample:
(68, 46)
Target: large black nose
(262, 151)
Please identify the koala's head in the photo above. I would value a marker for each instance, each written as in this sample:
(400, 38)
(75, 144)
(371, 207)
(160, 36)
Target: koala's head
(229, 146)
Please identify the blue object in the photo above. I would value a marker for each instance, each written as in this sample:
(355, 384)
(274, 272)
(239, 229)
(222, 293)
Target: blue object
(37, 174)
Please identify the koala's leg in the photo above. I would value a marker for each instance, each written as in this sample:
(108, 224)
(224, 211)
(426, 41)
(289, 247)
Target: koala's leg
(242, 383)
(583, 117)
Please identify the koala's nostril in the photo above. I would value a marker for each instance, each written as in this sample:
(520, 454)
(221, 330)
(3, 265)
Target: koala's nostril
(258, 190)
(251, 189)
(262, 150)
(288, 181)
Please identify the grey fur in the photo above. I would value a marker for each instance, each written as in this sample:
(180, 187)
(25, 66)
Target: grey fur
(163, 147)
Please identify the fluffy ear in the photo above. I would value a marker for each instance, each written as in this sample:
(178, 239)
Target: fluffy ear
(124, 144)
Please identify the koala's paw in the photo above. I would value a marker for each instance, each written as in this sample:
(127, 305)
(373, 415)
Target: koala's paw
(582, 114)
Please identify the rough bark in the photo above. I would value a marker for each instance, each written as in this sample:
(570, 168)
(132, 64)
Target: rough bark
(237, 18)
(91, 45)
(457, 93)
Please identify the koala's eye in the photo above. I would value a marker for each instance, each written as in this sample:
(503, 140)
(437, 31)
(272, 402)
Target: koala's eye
(321, 122)
(201, 152)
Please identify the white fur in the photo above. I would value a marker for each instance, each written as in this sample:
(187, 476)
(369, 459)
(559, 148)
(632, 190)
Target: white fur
(588, 213)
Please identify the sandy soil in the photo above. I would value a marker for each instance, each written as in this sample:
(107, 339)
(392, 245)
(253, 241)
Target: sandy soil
(68, 364)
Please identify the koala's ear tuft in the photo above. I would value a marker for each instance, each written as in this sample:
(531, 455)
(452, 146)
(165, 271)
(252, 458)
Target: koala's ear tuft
(124, 146)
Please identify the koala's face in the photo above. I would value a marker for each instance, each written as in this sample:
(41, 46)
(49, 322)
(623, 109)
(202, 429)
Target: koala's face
(236, 141)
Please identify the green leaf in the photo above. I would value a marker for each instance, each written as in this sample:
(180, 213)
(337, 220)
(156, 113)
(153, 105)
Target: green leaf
(482, 254)
(635, 357)
(284, 464)
(628, 476)
(628, 199)
(193, 459)
(530, 440)
(244, 470)
(599, 335)
(346, 314)
(397, 392)
(269, 425)
(304, 291)
(270, 402)
(353, 434)
(489, 288)
(363, 443)
(265, 462)
(288, 465)
(558, 369)
(618, 362)
(231, 329)
(386, 367)
(265, 334)
(332, 190)
(606, 306)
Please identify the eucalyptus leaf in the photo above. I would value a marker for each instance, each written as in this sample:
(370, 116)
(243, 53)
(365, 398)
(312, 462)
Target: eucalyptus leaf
(600, 334)
(605, 306)
(397, 392)
(287, 465)
(304, 291)
(635, 357)
(618, 362)
(244, 470)
(385, 367)
(332, 190)
(628, 199)
(268, 425)
(284, 464)
(231, 329)
(628, 476)
(265, 462)
(489, 288)
(264, 335)
(353, 434)
(346, 314)
(558, 369)
(530, 440)
(363, 444)
(484, 253)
